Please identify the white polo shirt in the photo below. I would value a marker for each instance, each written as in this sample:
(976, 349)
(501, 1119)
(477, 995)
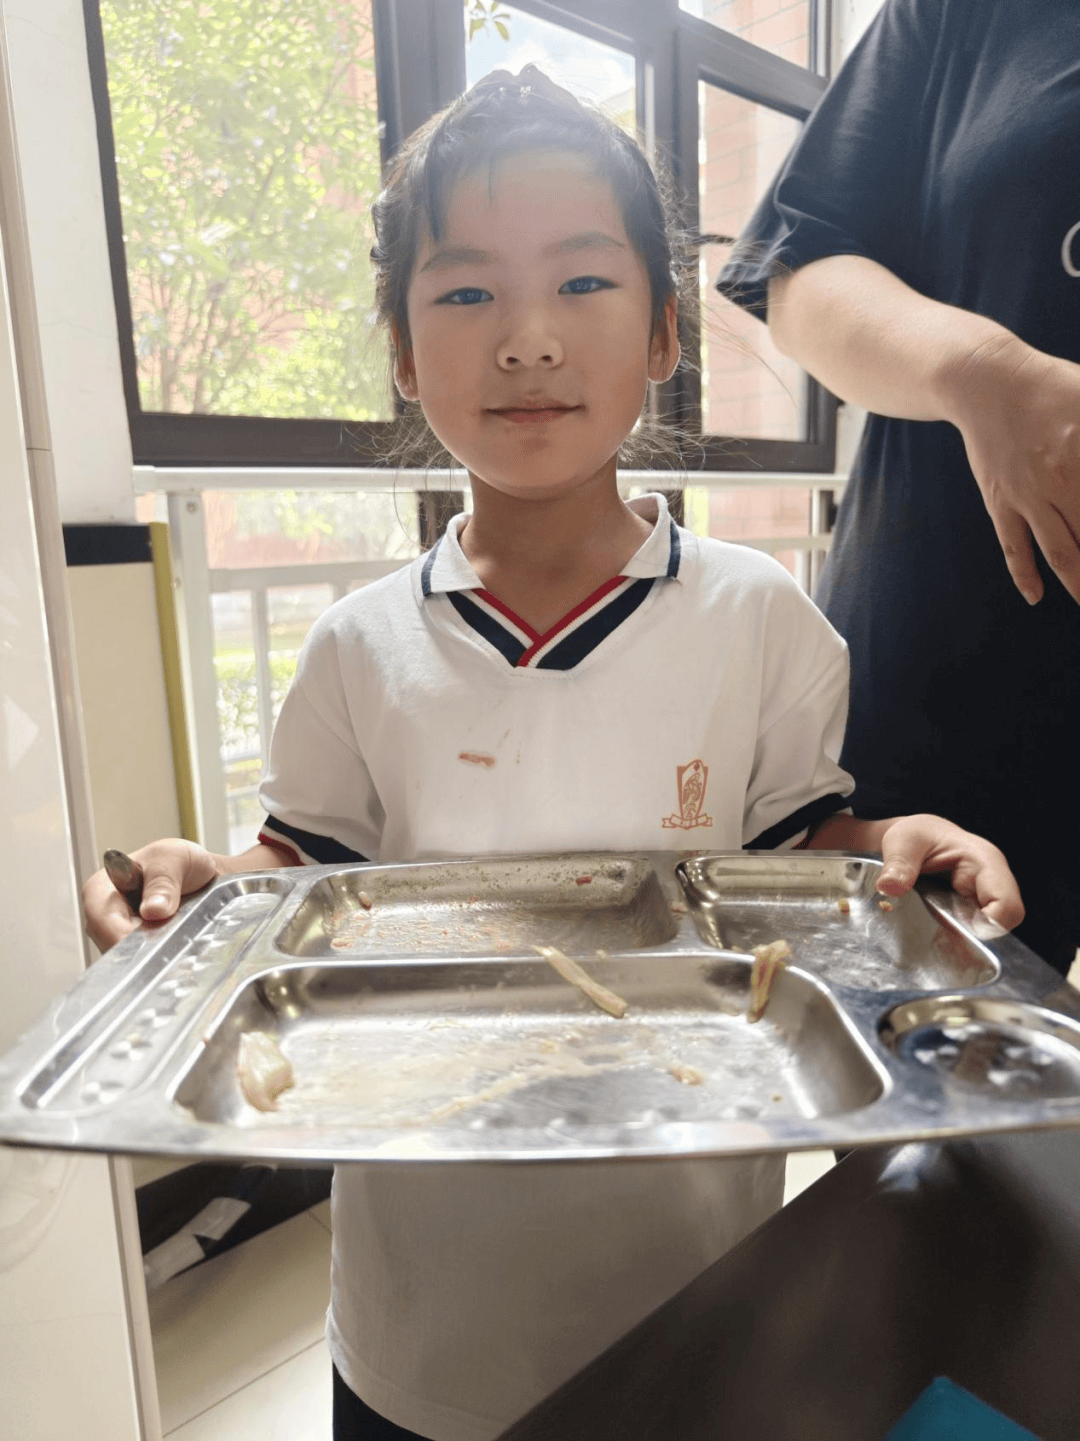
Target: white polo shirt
(697, 701)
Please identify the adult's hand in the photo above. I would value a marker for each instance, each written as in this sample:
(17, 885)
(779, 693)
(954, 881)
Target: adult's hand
(1018, 411)
(874, 341)
(171, 869)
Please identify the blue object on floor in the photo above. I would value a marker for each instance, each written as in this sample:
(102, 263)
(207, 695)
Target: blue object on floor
(946, 1412)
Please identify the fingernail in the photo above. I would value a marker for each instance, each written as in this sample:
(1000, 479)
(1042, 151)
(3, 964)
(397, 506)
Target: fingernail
(1030, 597)
(988, 927)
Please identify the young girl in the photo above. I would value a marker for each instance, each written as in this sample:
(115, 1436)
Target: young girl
(562, 671)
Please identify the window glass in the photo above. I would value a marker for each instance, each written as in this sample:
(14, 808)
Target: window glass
(291, 611)
(247, 154)
(747, 387)
(304, 527)
(782, 26)
(508, 38)
(760, 516)
(267, 539)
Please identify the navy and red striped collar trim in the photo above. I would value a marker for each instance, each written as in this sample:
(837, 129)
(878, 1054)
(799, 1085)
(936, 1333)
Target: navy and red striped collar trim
(445, 570)
(565, 644)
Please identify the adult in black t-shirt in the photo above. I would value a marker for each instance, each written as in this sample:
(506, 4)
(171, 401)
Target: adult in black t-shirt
(919, 253)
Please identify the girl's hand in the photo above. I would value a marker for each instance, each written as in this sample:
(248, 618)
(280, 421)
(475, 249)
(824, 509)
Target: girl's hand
(1018, 411)
(171, 869)
(926, 845)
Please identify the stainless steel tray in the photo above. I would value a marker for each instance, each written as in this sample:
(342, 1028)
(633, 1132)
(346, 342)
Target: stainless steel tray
(425, 1026)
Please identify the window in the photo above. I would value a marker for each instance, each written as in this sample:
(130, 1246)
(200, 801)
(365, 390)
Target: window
(242, 142)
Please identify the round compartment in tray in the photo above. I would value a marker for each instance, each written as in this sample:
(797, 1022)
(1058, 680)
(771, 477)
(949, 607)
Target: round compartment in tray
(1003, 1050)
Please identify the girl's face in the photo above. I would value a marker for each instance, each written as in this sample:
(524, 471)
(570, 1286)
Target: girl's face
(530, 323)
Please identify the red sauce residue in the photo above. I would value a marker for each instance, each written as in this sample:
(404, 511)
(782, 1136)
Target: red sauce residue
(474, 758)
(584, 880)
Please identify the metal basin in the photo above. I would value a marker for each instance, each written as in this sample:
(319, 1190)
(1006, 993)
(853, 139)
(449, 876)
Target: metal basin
(464, 1049)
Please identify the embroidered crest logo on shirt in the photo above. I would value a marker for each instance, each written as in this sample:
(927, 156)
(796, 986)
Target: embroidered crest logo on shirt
(691, 781)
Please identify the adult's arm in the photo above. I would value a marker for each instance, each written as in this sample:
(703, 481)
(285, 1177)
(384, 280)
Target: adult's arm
(876, 342)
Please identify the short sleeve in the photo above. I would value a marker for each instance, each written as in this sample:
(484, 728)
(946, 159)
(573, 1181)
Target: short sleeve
(851, 184)
(318, 792)
(797, 779)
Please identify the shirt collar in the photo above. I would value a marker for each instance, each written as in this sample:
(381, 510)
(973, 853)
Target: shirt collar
(444, 567)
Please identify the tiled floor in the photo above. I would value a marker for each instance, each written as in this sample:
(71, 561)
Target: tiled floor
(238, 1341)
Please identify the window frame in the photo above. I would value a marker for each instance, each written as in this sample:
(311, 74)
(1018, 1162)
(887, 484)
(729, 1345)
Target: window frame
(706, 53)
(420, 67)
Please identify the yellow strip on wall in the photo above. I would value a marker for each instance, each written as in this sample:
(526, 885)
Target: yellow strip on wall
(165, 590)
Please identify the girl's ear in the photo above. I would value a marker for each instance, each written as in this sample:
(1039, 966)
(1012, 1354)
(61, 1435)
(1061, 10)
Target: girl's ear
(404, 367)
(664, 348)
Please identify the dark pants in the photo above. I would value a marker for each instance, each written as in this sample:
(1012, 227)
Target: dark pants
(354, 1421)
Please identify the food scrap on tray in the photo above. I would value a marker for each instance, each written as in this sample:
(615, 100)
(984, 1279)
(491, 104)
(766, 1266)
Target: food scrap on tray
(769, 961)
(263, 1070)
(577, 976)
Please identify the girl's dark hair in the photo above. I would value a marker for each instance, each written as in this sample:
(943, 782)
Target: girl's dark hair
(500, 116)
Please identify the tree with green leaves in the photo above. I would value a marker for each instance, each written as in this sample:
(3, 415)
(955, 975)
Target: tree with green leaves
(481, 15)
(247, 150)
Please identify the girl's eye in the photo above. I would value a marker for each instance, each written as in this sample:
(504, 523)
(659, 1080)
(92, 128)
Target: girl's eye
(467, 295)
(585, 285)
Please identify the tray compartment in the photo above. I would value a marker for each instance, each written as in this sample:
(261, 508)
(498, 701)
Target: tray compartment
(119, 1043)
(826, 908)
(1008, 1051)
(500, 906)
(467, 1048)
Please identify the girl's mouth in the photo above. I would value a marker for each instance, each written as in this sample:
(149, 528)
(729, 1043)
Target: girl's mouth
(534, 415)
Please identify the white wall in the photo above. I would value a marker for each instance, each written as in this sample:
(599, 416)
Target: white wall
(66, 1347)
(54, 121)
(120, 686)
(125, 715)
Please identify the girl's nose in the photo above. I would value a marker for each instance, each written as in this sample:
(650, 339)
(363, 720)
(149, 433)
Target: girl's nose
(528, 344)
